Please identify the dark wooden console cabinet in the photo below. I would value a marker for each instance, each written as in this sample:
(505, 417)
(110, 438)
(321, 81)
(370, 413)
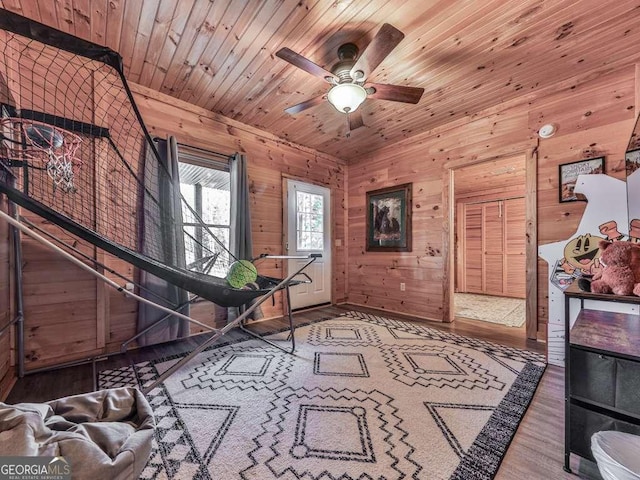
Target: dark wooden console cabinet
(602, 372)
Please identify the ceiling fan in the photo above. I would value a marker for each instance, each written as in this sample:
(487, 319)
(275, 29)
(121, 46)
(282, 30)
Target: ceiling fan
(348, 77)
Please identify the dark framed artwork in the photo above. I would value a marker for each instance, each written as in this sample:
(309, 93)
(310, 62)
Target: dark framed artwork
(632, 161)
(568, 174)
(389, 219)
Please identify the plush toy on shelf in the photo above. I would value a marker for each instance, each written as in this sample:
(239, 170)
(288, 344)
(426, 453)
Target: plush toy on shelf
(621, 272)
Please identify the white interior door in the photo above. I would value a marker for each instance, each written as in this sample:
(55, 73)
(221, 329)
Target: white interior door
(309, 231)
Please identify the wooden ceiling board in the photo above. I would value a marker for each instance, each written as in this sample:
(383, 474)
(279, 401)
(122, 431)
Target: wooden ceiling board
(98, 12)
(225, 28)
(142, 41)
(115, 17)
(131, 22)
(82, 18)
(223, 50)
(262, 62)
(202, 39)
(178, 22)
(246, 49)
(197, 30)
(469, 56)
(484, 99)
(159, 34)
(64, 14)
(312, 26)
(387, 113)
(323, 51)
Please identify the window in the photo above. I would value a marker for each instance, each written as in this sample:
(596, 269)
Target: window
(205, 185)
(310, 225)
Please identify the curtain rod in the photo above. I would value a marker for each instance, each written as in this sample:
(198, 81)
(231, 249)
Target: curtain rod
(204, 150)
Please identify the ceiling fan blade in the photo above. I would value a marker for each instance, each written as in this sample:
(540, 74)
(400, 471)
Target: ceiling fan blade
(387, 38)
(395, 93)
(305, 64)
(312, 102)
(355, 120)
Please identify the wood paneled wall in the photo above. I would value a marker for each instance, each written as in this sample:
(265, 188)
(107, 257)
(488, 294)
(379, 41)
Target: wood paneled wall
(595, 116)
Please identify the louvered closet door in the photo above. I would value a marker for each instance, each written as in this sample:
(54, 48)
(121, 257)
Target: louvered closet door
(472, 258)
(515, 247)
(493, 259)
(492, 236)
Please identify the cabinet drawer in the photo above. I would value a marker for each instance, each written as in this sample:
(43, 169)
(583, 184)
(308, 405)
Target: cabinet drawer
(593, 376)
(628, 386)
(584, 423)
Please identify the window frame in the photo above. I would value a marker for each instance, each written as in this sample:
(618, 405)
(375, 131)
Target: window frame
(200, 157)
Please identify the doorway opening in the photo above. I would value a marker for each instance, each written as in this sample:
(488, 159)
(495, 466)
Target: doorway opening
(490, 206)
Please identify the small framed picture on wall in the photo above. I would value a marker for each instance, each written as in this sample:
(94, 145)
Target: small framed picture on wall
(569, 175)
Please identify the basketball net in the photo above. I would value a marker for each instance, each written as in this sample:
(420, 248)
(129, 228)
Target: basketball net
(53, 147)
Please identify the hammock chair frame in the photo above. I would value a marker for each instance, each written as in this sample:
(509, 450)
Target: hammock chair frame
(215, 289)
(216, 333)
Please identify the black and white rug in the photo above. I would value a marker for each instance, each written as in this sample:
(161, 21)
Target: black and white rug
(363, 398)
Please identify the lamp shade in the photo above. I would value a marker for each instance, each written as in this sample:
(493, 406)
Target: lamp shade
(346, 97)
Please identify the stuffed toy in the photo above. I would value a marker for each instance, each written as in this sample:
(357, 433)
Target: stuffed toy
(621, 272)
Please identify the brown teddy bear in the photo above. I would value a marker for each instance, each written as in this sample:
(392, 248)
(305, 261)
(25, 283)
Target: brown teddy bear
(621, 272)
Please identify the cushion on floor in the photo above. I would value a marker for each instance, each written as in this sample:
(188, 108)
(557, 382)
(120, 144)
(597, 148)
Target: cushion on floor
(103, 434)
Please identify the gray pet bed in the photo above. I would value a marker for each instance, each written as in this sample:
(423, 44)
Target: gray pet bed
(104, 434)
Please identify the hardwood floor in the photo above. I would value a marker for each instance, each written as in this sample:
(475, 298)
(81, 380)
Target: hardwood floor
(535, 453)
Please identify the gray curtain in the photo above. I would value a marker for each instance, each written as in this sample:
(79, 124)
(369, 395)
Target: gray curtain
(167, 190)
(240, 241)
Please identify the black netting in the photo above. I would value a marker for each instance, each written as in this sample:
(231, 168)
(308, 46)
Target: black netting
(75, 151)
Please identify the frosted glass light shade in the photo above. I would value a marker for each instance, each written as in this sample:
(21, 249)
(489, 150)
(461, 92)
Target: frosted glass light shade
(346, 97)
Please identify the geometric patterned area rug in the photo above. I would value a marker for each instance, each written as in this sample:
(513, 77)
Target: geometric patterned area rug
(363, 398)
(503, 310)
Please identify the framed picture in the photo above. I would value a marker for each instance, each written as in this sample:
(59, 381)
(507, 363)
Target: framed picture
(569, 175)
(632, 161)
(389, 219)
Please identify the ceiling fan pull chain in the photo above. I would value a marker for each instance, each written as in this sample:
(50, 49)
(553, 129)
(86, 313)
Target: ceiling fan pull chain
(348, 134)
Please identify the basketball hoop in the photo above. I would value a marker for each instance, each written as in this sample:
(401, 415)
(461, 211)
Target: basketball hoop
(52, 146)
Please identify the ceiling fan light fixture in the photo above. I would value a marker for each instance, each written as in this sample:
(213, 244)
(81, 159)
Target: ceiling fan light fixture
(346, 97)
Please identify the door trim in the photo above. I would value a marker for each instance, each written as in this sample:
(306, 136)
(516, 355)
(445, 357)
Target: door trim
(448, 237)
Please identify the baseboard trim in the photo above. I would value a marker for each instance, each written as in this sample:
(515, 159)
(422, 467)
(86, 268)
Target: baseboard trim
(406, 316)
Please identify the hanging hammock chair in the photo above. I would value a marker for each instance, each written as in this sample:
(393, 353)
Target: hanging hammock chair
(86, 178)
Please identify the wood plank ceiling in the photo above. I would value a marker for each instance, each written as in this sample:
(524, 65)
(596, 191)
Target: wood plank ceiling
(469, 55)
